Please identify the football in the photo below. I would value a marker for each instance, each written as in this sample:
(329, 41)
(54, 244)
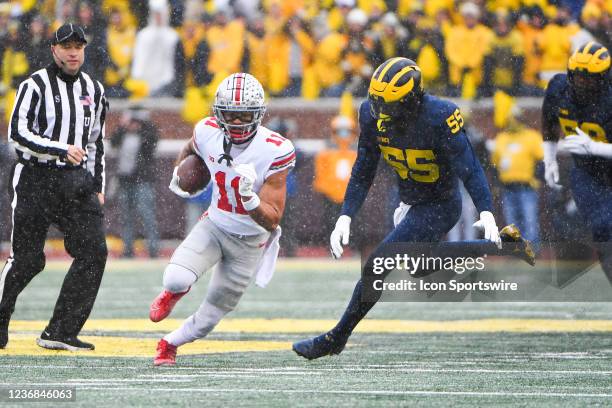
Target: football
(193, 174)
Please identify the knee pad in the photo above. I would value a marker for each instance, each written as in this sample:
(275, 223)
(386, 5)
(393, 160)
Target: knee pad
(178, 278)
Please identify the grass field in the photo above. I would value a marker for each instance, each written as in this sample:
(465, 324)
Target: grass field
(405, 354)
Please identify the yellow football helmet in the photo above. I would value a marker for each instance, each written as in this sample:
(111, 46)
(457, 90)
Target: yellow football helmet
(396, 88)
(588, 71)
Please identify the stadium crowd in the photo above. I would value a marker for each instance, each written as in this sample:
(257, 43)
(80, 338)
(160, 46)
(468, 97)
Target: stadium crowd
(307, 48)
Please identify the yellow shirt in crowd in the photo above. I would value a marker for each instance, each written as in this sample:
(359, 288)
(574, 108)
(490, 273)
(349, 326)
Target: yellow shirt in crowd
(516, 154)
(506, 47)
(226, 47)
(555, 45)
(327, 60)
(466, 48)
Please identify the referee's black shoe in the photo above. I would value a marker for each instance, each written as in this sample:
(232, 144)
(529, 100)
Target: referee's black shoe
(64, 343)
(4, 323)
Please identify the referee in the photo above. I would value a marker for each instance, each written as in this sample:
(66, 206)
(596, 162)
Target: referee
(57, 127)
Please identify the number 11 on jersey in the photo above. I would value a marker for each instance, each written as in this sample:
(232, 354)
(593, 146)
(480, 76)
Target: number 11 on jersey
(224, 202)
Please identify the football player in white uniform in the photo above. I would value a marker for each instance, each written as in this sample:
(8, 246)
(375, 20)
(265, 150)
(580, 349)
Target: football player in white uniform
(239, 233)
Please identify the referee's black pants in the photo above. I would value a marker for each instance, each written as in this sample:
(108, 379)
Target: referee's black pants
(66, 198)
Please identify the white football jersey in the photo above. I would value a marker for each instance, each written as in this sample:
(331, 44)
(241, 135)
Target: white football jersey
(269, 152)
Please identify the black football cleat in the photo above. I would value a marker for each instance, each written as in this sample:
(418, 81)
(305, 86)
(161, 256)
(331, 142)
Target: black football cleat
(323, 345)
(64, 343)
(524, 249)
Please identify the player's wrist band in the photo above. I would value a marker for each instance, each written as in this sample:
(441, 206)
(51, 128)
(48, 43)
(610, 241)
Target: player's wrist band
(252, 204)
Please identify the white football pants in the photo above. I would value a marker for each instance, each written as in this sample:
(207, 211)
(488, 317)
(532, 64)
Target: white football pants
(236, 259)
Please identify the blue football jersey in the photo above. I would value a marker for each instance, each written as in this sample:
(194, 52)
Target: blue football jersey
(595, 119)
(428, 150)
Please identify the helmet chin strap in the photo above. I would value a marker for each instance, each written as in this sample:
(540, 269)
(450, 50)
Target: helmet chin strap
(227, 147)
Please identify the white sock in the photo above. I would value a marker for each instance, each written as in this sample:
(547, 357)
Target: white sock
(197, 326)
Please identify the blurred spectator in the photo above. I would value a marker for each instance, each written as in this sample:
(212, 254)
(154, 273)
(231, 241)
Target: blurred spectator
(503, 65)
(277, 52)
(414, 16)
(390, 41)
(14, 60)
(37, 45)
(555, 45)
(65, 13)
(427, 50)
(199, 66)
(136, 141)
(336, 18)
(315, 52)
(374, 9)
(243, 8)
(5, 16)
(141, 11)
(356, 62)
(286, 42)
(158, 54)
(301, 55)
(121, 40)
(333, 169)
(466, 46)
(327, 64)
(531, 24)
(256, 50)
(177, 11)
(589, 30)
(192, 33)
(96, 57)
(226, 41)
(516, 152)
(605, 23)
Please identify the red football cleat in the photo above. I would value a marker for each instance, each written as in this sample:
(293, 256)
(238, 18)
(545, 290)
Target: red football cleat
(163, 305)
(166, 354)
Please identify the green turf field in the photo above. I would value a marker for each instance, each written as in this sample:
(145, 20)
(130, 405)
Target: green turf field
(405, 354)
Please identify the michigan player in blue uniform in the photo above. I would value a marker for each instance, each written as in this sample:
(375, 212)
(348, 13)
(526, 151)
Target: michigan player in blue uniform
(578, 106)
(422, 137)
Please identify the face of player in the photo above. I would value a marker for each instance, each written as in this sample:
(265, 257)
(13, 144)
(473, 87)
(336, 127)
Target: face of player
(238, 117)
(393, 110)
(69, 56)
(239, 125)
(587, 87)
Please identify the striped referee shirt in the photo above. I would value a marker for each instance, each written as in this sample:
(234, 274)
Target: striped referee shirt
(54, 110)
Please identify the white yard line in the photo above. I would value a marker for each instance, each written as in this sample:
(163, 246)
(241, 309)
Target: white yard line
(360, 392)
